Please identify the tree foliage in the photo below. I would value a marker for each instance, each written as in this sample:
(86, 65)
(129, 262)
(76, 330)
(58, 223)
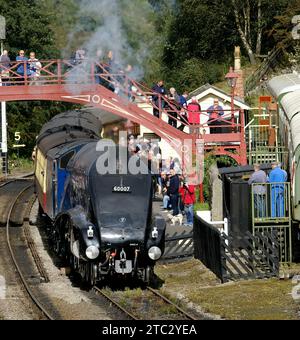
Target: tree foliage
(253, 20)
(200, 29)
(281, 31)
(31, 25)
(186, 42)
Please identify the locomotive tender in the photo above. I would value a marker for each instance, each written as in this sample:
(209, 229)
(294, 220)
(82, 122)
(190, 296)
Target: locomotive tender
(102, 224)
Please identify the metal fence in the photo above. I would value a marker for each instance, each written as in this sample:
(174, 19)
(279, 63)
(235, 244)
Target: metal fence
(207, 245)
(236, 256)
(271, 213)
(179, 246)
(271, 203)
(260, 136)
(268, 154)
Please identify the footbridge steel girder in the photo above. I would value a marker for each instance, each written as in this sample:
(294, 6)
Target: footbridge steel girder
(96, 96)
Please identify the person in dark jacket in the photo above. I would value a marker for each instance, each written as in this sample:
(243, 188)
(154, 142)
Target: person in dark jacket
(4, 67)
(173, 191)
(157, 99)
(173, 107)
(183, 115)
(22, 63)
(215, 112)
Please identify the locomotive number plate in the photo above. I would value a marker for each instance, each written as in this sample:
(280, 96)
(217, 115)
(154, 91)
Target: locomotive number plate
(121, 189)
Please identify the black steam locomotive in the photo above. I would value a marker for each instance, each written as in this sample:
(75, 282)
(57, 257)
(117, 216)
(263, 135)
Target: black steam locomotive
(102, 223)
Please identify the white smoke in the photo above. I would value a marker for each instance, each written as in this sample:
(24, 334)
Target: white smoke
(105, 25)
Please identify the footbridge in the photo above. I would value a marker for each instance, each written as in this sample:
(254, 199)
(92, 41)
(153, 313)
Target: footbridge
(93, 84)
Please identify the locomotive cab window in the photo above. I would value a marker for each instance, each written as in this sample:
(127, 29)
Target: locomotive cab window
(65, 159)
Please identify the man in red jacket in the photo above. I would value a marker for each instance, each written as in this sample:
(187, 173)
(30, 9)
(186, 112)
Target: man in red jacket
(194, 110)
(188, 197)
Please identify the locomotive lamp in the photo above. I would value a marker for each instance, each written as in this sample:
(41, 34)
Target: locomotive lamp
(90, 232)
(154, 253)
(232, 78)
(155, 233)
(92, 252)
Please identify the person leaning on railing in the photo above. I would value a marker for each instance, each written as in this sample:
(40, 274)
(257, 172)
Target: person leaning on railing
(183, 107)
(34, 69)
(22, 66)
(172, 106)
(194, 112)
(158, 92)
(215, 112)
(258, 180)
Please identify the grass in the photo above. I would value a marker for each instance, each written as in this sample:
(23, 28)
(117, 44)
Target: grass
(143, 304)
(201, 207)
(253, 300)
(247, 300)
(20, 165)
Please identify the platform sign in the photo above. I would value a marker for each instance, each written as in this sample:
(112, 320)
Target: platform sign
(2, 28)
(17, 139)
(16, 146)
(17, 136)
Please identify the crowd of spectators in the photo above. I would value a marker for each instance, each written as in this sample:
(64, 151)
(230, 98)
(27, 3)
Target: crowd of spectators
(117, 79)
(25, 67)
(169, 184)
(181, 113)
(178, 195)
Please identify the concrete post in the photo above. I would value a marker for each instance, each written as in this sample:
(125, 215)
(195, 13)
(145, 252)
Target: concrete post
(216, 194)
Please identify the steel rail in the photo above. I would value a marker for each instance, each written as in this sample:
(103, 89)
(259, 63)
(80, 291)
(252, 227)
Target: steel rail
(188, 316)
(7, 181)
(12, 254)
(116, 304)
(157, 294)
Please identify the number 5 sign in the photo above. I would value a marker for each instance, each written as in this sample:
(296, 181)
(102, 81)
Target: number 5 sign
(296, 29)
(17, 136)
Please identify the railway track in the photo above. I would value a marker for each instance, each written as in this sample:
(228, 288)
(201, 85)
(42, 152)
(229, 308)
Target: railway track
(162, 307)
(15, 209)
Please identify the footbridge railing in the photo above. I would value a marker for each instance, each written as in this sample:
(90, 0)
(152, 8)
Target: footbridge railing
(221, 134)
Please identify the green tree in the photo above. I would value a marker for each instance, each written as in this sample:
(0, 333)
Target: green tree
(253, 20)
(27, 27)
(202, 29)
(283, 26)
(62, 16)
(32, 26)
